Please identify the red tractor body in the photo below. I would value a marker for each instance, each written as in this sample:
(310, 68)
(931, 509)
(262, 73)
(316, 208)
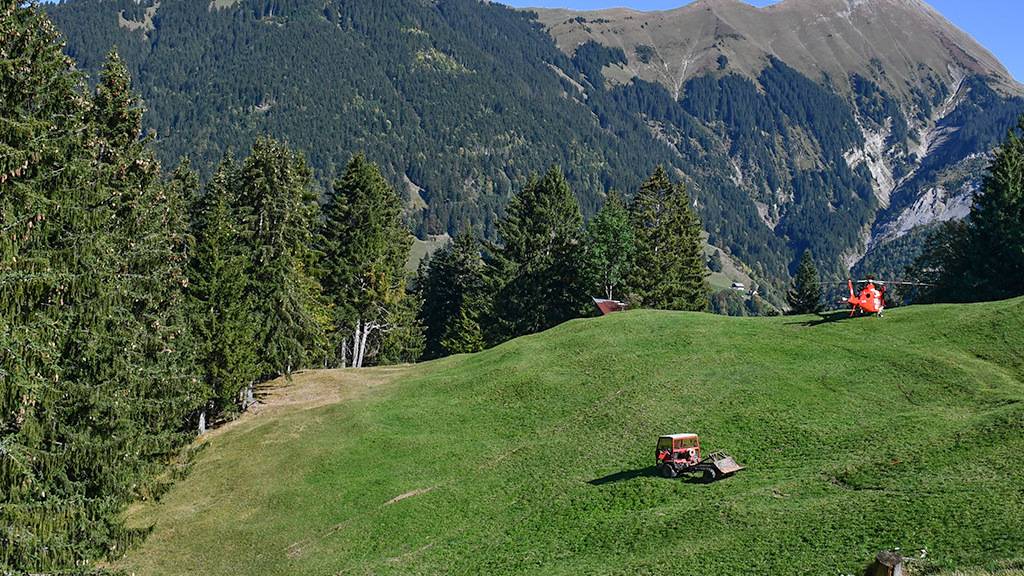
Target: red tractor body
(680, 454)
(678, 450)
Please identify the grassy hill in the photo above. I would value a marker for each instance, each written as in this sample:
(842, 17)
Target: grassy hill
(533, 458)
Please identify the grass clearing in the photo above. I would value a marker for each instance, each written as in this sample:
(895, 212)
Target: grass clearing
(422, 249)
(534, 457)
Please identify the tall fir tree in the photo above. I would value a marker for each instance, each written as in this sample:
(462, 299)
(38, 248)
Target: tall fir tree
(996, 224)
(453, 285)
(221, 307)
(611, 248)
(539, 262)
(983, 258)
(151, 237)
(365, 245)
(670, 271)
(47, 246)
(279, 214)
(804, 296)
(93, 357)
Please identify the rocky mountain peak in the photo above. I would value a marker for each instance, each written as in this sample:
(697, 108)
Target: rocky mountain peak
(904, 45)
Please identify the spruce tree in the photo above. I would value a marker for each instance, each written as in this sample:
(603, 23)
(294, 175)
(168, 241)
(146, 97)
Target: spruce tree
(365, 246)
(221, 308)
(278, 212)
(670, 271)
(538, 265)
(982, 258)
(804, 296)
(117, 112)
(462, 334)
(453, 286)
(995, 232)
(45, 167)
(610, 248)
(93, 357)
(150, 235)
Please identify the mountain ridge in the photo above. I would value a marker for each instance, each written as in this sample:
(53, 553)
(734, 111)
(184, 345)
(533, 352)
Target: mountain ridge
(459, 101)
(923, 68)
(736, 14)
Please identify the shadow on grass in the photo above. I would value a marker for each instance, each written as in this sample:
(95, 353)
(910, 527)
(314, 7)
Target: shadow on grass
(825, 318)
(649, 472)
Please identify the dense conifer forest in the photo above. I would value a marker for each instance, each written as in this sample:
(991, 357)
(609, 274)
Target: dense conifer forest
(459, 102)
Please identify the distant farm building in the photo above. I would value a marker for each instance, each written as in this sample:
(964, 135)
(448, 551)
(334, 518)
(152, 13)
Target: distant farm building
(739, 287)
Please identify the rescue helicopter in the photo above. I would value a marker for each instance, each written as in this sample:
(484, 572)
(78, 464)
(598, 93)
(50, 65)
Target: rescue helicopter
(871, 298)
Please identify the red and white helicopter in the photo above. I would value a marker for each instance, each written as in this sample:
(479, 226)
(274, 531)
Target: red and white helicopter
(871, 298)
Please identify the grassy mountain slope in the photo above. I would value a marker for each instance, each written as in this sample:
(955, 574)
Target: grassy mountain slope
(532, 458)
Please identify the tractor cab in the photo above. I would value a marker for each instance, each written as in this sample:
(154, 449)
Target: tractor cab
(679, 450)
(680, 454)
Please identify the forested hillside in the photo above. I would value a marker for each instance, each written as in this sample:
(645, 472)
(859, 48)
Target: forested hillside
(459, 101)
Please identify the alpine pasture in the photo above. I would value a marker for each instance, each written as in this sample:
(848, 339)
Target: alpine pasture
(536, 457)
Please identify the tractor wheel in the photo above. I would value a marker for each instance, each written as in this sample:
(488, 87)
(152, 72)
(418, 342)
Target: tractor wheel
(667, 471)
(710, 475)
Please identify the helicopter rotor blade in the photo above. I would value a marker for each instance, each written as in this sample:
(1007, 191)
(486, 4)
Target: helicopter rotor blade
(909, 283)
(876, 281)
(901, 283)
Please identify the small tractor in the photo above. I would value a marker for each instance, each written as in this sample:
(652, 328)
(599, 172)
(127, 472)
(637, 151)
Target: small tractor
(680, 454)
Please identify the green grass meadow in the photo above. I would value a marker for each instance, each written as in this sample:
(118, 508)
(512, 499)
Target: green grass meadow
(535, 457)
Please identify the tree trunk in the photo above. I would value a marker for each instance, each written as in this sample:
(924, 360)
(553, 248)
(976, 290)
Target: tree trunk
(356, 341)
(202, 422)
(363, 345)
(360, 341)
(246, 396)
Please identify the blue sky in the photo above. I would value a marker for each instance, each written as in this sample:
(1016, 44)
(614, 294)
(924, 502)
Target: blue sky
(994, 23)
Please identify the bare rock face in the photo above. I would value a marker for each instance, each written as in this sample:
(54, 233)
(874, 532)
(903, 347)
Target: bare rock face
(904, 42)
(949, 197)
(926, 71)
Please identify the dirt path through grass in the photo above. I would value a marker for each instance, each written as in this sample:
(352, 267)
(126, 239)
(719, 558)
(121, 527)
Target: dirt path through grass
(308, 390)
(276, 401)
